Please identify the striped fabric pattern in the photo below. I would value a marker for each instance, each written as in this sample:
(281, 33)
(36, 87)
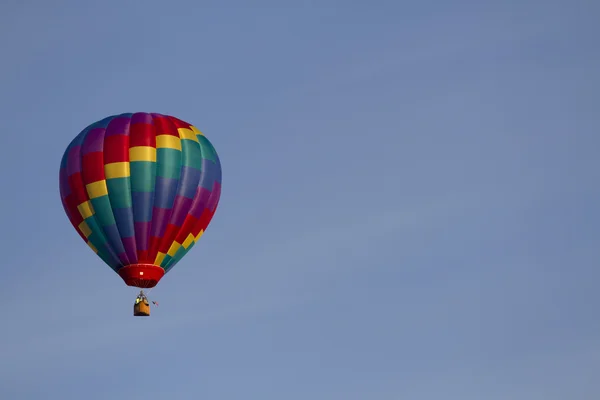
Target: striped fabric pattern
(140, 188)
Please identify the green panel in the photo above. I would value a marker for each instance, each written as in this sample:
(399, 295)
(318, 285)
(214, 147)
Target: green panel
(178, 253)
(97, 237)
(165, 260)
(168, 163)
(208, 151)
(103, 211)
(119, 191)
(105, 256)
(178, 256)
(192, 156)
(143, 176)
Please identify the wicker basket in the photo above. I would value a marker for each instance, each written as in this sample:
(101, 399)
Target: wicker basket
(141, 309)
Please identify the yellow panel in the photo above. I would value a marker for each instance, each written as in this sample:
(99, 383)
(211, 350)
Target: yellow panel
(199, 235)
(142, 153)
(92, 247)
(187, 134)
(174, 247)
(196, 131)
(85, 209)
(117, 170)
(188, 241)
(96, 189)
(159, 258)
(168, 142)
(85, 229)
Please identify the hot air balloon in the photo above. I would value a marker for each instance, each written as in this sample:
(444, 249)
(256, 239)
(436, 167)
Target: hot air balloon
(140, 189)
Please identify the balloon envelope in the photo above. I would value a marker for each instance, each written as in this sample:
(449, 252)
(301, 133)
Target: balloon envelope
(140, 189)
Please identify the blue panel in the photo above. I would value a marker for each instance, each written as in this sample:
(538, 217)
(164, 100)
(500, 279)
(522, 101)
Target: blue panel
(188, 184)
(210, 173)
(142, 206)
(166, 188)
(114, 238)
(124, 218)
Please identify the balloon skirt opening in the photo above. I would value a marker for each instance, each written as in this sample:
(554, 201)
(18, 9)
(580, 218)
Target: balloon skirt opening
(141, 275)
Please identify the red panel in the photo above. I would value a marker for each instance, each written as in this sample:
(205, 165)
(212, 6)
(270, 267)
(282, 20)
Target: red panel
(164, 126)
(179, 123)
(198, 225)
(168, 238)
(153, 247)
(116, 149)
(143, 256)
(73, 214)
(205, 218)
(93, 167)
(203, 222)
(186, 228)
(142, 135)
(77, 188)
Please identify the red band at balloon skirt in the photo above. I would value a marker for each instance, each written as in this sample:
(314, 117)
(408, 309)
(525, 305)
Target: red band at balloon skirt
(141, 275)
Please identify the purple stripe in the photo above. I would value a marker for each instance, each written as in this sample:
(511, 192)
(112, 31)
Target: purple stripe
(118, 126)
(65, 189)
(141, 235)
(214, 197)
(94, 141)
(180, 210)
(199, 203)
(159, 218)
(141, 118)
(124, 259)
(130, 249)
(74, 160)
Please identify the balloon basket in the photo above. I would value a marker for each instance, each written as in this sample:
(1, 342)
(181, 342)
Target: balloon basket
(141, 309)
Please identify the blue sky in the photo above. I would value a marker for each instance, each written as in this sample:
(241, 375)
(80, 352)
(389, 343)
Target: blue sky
(409, 207)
